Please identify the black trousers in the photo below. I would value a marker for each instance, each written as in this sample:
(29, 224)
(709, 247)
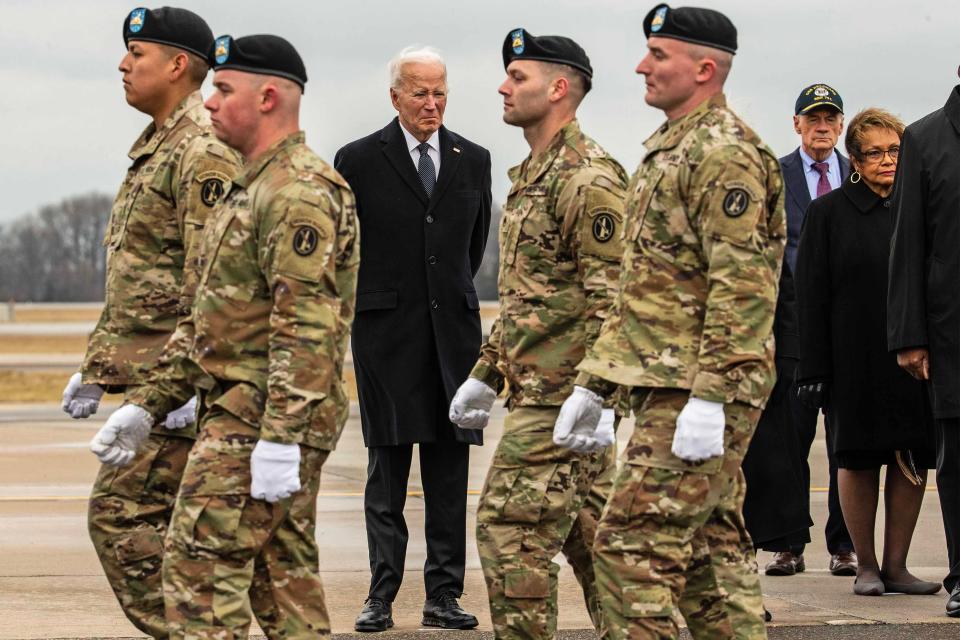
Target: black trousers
(443, 469)
(948, 486)
(835, 531)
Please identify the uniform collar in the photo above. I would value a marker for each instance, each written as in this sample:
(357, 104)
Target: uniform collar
(863, 197)
(251, 172)
(149, 141)
(531, 169)
(672, 132)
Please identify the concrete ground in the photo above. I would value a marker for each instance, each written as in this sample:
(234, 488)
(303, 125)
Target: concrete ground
(51, 584)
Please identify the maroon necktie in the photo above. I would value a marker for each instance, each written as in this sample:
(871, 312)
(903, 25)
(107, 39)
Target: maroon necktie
(823, 185)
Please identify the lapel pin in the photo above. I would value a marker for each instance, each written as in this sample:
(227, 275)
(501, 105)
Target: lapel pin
(456, 150)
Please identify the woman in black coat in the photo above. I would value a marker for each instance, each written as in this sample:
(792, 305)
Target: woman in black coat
(880, 415)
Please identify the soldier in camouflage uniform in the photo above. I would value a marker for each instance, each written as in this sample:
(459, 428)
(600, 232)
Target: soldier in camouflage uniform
(271, 320)
(178, 171)
(559, 263)
(691, 332)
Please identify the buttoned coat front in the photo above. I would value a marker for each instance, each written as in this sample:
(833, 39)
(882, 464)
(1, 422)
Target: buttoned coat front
(416, 333)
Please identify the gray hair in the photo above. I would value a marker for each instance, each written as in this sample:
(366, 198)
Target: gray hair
(414, 53)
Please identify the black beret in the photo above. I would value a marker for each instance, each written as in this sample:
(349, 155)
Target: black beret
(692, 24)
(520, 44)
(264, 54)
(169, 25)
(816, 96)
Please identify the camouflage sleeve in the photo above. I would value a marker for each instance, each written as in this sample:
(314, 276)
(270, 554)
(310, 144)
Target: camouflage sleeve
(204, 169)
(728, 204)
(486, 368)
(298, 256)
(590, 208)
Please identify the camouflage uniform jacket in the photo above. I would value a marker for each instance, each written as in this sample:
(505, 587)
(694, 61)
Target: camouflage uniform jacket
(704, 242)
(559, 264)
(178, 173)
(276, 299)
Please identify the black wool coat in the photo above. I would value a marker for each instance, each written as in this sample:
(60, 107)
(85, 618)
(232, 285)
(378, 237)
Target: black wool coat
(873, 404)
(416, 333)
(773, 506)
(924, 290)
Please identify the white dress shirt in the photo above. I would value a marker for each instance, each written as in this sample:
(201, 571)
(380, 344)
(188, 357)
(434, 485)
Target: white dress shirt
(813, 176)
(433, 151)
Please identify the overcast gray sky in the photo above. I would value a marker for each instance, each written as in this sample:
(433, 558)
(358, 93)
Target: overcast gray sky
(66, 127)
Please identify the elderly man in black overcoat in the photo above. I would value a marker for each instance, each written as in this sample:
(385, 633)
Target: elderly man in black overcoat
(423, 201)
(813, 169)
(923, 301)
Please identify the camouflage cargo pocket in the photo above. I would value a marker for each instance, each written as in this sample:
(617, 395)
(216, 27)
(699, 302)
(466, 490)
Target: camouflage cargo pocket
(138, 545)
(213, 524)
(647, 601)
(533, 494)
(527, 583)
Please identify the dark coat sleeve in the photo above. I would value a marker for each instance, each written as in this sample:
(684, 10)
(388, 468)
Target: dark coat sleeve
(906, 288)
(813, 295)
(481, 229)
(786, 329)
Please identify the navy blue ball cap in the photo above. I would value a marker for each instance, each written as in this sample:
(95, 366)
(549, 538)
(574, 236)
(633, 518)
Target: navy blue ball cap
(816, 96)
(692, 24)
(171, 26)
(263, 54)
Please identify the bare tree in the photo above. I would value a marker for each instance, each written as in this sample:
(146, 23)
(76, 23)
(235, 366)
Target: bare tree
(56, 254)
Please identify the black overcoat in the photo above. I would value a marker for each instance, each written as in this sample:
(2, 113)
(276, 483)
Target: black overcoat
(924, 290)
(774, 505)
(873, 404)
(416, 333)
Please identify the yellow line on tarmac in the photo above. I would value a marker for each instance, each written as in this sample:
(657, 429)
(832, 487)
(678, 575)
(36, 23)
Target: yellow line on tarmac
(323, 494)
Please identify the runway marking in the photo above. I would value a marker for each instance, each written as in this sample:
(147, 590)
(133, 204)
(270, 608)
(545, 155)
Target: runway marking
(322, 494)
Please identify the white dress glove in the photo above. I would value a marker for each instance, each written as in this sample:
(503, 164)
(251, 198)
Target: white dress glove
(699, 433)
(471, 405)
(275, 470)
(578, 420)
(81, 400)
(182, 417)
(117, 441)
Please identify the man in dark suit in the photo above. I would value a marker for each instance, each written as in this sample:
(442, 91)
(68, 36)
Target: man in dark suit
(423, 201)
(923, 309)
(812, 170)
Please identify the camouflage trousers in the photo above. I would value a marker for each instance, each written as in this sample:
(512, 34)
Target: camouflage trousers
(229, 556)
(672, 535)
(538, 500)
(128, 515)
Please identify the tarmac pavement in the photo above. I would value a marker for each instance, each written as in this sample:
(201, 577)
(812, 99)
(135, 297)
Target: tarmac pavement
(51, 584)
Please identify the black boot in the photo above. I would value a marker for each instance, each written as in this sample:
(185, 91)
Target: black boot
(377, 615)
(445, 612)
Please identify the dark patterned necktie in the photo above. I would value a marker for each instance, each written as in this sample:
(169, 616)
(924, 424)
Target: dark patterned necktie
(428, 173)
(823, 184)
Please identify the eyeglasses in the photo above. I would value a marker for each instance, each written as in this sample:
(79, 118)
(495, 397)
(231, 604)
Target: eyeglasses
(876, 155)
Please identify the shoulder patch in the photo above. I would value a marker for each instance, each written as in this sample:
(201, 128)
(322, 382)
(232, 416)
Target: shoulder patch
(305, 240)
(736, 201)
(604, 226)
(213, 184)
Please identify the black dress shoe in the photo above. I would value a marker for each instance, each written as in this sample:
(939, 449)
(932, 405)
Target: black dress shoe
(445, 612)
(377, 615)
(953, 603)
